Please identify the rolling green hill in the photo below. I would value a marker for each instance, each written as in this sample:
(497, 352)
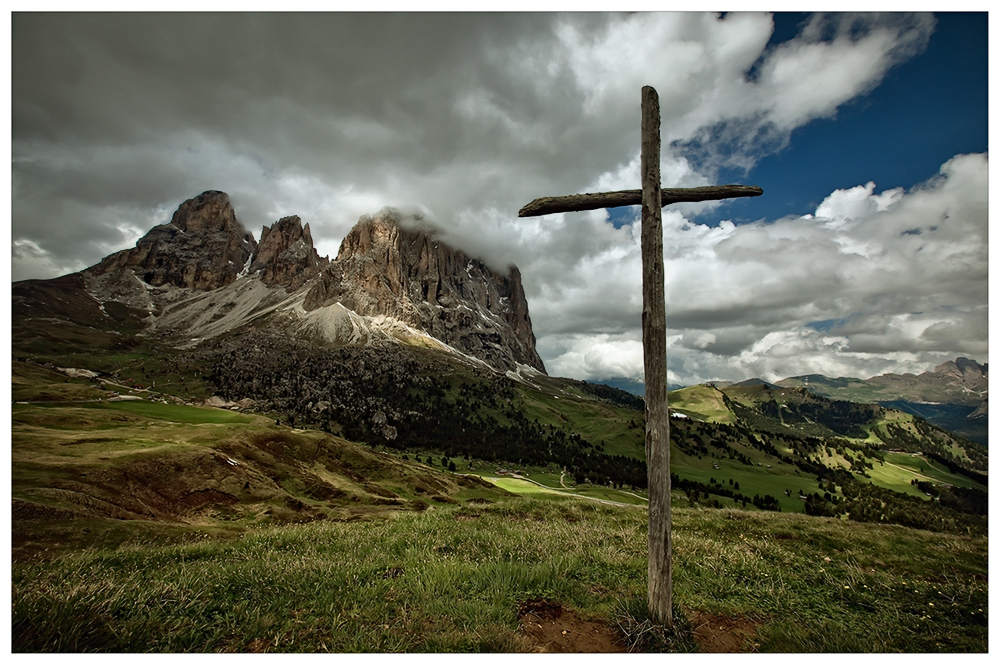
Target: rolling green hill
(838, 442)
(92, 470)
(155, 525)
(751, 447)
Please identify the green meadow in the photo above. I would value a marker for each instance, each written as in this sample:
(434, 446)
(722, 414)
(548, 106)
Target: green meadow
(151, 527)
(452, 579)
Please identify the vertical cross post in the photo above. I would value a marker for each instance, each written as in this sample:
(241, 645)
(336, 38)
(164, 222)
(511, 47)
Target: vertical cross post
(654, 346)
(654, 330)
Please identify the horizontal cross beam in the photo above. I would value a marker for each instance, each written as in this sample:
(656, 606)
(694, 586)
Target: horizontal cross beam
(633, 197)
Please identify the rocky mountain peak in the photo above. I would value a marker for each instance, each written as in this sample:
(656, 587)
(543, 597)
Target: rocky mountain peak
(203, 247)
(386, 269)
(209, 212)
(390, 281)
(286, 255)
(967, 373)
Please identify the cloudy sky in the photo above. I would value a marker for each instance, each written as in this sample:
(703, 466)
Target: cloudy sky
(867, 252)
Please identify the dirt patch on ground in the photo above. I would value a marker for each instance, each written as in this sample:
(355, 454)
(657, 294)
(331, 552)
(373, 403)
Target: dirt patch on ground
(722, 634)
(552, 628)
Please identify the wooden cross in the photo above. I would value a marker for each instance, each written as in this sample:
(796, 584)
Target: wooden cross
(654, 330)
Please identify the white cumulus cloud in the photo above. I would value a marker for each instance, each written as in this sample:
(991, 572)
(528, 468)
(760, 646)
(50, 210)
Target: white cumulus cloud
(871, 282)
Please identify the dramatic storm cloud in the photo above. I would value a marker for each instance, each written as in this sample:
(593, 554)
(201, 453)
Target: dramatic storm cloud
(464, 118)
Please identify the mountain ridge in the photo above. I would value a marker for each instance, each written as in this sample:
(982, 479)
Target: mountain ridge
(202, 275)
(959, 381)
(953, 395)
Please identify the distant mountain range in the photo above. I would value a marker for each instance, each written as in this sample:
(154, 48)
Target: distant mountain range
(961, 381)
(953, 396)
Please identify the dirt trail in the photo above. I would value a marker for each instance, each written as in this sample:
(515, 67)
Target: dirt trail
(916, 473)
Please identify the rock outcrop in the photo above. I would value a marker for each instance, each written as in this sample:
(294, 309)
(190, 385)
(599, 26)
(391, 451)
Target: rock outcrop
(203, 247)
(286, 256)
(383, 269)
(967, 374)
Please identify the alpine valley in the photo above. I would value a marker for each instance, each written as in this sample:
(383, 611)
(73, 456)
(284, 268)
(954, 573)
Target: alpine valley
(206, 382)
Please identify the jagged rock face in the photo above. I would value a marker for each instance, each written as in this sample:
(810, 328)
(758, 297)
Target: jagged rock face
(384, 269)
(390, 284)
(203, 247)
(286, 256)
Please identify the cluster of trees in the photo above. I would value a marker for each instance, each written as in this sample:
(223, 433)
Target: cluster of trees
(805, 413)
(694, 438)
(844, 418)
(962, 499)
(963, 511)
(843, 446)
(614, 395)
(395, 397)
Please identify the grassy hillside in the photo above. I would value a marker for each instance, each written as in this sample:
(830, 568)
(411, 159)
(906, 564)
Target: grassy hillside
(517, 574)
(929, 396)
(158, 526)
(420, 402)
(763, 450)
(964, 420)
(101, 472)
(769, 439)
(703, 403)
(795, 412)
(833, 457)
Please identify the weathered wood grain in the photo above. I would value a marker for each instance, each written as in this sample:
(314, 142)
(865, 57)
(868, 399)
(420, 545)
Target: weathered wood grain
(654, 345)
(548, 205)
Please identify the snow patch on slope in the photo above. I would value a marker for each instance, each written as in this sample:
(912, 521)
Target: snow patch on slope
(338, 325)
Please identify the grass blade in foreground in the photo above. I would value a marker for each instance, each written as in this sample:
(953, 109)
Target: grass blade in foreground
(453, 579)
